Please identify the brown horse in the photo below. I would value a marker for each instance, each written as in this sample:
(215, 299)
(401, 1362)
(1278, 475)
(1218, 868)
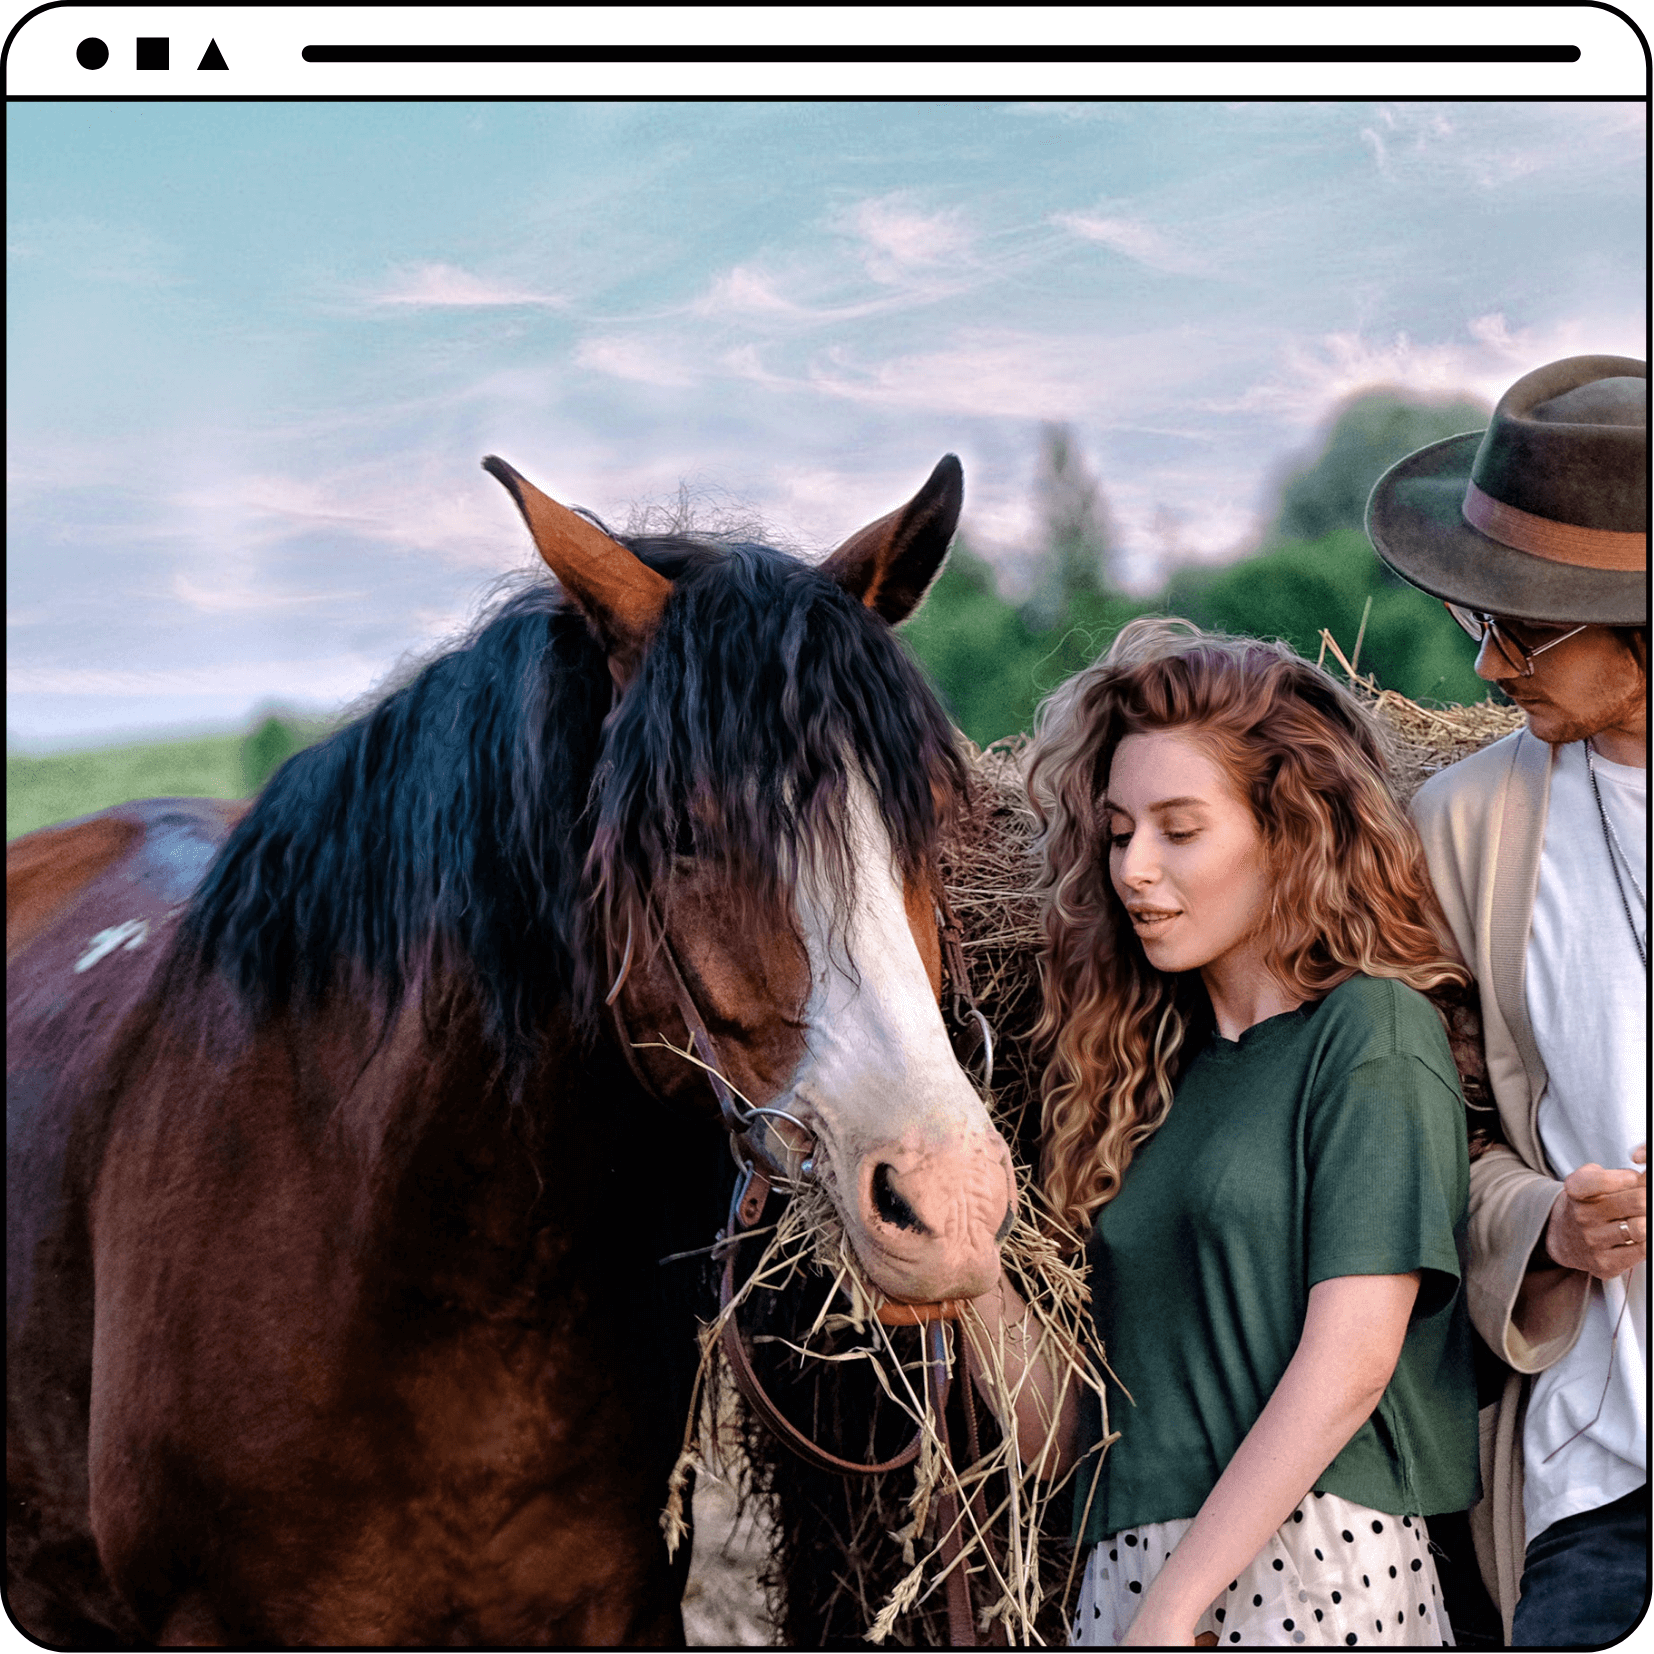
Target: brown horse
(345, 1132)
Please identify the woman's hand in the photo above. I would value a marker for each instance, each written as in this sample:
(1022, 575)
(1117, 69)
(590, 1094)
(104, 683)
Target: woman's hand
(1599, 1223)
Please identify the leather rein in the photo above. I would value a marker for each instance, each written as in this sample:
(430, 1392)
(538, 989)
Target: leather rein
(759, 1173)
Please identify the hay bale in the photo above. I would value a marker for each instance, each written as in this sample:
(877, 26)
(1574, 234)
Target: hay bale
(1426, 739)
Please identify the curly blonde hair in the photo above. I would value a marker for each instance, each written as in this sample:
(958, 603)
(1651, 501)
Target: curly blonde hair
(1352, 895)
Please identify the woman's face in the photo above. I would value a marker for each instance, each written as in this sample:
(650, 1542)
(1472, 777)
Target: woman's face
(1185, 855)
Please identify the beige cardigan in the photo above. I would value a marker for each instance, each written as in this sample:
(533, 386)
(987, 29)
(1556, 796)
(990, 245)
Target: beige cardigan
(1483, 825)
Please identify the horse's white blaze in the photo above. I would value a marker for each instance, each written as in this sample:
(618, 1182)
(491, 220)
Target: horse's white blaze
(882, 1089)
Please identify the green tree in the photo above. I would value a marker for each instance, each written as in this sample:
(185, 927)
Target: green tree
(977, 647)
(1318, 570)
(991, 664)
(1409, 643)
(1076, 536)
(995, 662)
(1367, 434)
(272, 742)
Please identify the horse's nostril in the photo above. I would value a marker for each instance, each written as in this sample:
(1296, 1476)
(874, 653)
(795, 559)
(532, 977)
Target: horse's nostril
(890, 1205)
(1005, 1225)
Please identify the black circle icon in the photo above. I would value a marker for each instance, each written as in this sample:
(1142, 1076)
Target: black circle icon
(91, 53)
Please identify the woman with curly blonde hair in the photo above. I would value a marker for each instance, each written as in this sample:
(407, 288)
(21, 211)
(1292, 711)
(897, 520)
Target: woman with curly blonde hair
(1252, 1110)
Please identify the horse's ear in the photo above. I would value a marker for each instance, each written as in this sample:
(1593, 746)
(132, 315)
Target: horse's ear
(890, 564)
(617, 592)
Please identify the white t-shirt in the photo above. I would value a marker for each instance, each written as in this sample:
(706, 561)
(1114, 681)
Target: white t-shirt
(1587, 1000)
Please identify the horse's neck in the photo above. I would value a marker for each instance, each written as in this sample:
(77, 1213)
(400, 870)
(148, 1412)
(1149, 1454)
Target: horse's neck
(568, 1171)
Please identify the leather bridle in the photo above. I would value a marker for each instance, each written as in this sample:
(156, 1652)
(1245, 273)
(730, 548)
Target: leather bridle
(760, 1170)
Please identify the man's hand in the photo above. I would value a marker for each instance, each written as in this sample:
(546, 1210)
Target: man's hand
(1599, 1223)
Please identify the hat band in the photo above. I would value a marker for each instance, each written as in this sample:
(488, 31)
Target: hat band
(1588, 548)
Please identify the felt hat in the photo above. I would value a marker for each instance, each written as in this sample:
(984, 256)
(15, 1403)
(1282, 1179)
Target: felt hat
(1542, 516)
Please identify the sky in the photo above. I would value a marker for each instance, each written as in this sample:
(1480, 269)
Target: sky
(255, 352)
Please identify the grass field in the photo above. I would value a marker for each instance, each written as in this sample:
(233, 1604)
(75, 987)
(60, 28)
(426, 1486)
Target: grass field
(61, 786)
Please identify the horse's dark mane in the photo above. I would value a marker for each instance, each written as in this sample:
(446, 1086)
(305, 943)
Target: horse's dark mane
(496, 814)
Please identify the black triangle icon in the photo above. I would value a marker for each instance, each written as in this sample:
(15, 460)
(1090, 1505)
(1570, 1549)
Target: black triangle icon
(212, 58)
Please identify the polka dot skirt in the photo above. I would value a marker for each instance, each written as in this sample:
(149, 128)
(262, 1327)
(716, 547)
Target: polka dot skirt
(1332, 1575)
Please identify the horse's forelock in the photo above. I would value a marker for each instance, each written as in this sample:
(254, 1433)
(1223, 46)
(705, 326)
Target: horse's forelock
(766, 688)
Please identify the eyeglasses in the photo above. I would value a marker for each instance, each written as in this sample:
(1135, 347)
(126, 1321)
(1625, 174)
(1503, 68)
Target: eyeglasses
(1517, 655)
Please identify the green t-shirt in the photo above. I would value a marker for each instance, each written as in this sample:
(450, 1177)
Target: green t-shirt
(1328, 1141)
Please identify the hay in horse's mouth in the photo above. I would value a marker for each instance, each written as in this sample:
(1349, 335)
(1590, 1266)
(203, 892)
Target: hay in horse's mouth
(999, 1543)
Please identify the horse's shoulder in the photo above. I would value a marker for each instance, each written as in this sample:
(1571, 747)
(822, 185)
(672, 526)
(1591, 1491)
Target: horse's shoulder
(46, 870)
(91, 910)
(149, 853)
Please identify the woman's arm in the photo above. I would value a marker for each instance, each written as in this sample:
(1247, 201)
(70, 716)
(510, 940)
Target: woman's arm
(1004, 1335)
(1352, 1337)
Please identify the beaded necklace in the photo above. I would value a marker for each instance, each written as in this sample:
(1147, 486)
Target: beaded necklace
(1611, 840)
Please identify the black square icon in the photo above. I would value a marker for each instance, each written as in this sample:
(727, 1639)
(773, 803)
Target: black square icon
(152, 51)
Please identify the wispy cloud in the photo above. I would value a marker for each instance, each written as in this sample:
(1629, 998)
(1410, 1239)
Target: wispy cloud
(746, 290)
(1028, 374)
(1374, 140)
(1311, 375)
(437, 286)
(1493, 331)
(1495, 146)
(888, 253)
(247, 596)
(901, 245)
(79, 249)
(642, 361)
(1087, 114)
(1135, 239)
(325, 678)
(1011, 374)
(385, 502)
(1413, 134)
(749, 294)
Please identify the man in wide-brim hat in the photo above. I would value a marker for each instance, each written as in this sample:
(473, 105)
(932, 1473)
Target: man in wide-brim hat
(1535, 534)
